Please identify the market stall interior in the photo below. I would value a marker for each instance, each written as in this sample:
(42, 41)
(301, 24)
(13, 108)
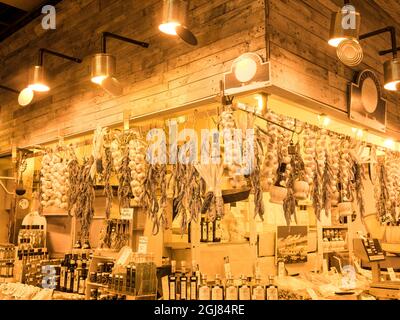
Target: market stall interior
(254, 192)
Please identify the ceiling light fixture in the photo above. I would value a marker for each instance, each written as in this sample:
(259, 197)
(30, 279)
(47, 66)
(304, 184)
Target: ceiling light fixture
(174, 21)
(38, 80)
(104, 65)
(25, 97)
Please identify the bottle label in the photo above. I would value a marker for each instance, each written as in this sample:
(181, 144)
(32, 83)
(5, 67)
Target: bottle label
(204, 231)
(259, 293)
(218, 230)
(217, 293)
(76, 284)
(193, 290)
(183, 289)
(244, 293)
(204, 293)
(231, 293)
(172, 293)
(272, 293)
(210, 232)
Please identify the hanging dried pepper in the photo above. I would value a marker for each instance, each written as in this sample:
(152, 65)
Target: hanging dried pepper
(255, 177)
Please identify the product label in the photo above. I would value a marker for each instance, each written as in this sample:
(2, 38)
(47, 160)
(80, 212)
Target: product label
(210, 232)
(126, 213)
(143, 245)
(259, 293)
(76, 284)
(82, 284)
(172, 291)
(204, 293)
(193, 290)
(272, 293)
(204, 232)
(244, 293)
(231, 293)
(217, 293)
(218, 230)
(183, 289)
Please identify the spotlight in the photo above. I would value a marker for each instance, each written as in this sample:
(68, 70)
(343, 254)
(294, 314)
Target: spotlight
(174, 21)
(392, 74)
(37, 75)
(104, 65)
(350, 52)
(38, 79)
(345, 25)
(324, 120)
(389, 143)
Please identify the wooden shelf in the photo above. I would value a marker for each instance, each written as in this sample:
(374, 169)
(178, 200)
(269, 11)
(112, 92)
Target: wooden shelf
(97, 285)
(178, 246)
(234, 243)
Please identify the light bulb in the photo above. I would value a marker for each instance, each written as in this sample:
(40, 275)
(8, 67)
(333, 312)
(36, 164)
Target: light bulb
(169, 28)
(389, 143)
(336, 41)
(245, 70)
(98, 80)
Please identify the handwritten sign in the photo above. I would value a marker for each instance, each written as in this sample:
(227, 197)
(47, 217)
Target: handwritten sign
(126, 213)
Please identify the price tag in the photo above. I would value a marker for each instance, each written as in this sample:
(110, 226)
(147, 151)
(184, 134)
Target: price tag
(143, 245)
(392, 274)
(126, 213)
(312, 294)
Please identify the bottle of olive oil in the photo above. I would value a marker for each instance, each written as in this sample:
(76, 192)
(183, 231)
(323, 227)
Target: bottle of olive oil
(272, 290)
(203, 229)
(183, 280)
(193, 283)
(217, 230)
(258, 290)
(172, 281)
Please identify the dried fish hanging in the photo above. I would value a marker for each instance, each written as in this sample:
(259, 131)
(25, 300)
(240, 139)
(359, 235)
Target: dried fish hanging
(73, 171)
(180, 197)
(194, 193)
(54, 179)
(259, 208)
(97, 151)
(271, 161)
(289, 204)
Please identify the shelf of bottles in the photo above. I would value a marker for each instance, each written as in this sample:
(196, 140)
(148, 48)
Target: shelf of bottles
(7, 260)
(135, 281)
(192, 285)
(334, 239)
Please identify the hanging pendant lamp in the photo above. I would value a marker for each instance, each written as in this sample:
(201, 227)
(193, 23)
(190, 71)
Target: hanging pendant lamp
(25, 97)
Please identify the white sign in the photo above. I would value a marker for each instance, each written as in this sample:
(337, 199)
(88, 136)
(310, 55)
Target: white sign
(392, 274)
(126, 213)
(143, 245)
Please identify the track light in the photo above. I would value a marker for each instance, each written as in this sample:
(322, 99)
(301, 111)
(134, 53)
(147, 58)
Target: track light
(38, 80)
(174, 21)
(104, 65)
(392, 74)
(25, 97)
(345, 25)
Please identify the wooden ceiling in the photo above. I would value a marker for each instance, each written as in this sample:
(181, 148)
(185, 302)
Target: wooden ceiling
(392, 8)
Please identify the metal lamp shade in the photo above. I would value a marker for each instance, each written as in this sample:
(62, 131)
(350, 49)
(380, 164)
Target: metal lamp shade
(103, 67)
(38, 79)
(174, 15)
(392, 74)
(338, 33)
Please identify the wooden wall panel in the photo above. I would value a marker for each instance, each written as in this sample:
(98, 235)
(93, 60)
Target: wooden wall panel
(303, 62)
(167, 74)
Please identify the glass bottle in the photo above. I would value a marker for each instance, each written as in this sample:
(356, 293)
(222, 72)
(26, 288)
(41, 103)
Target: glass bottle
(183, 282)
(231, 291)
(204, 289)
(172, 281)
(258, 290)
(193, 282)
(244, 289)
(217, 291)
(272, 290)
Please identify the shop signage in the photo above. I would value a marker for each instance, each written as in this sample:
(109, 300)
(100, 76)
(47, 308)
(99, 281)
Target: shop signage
(366, 104)
(248, 73)
(126, 213)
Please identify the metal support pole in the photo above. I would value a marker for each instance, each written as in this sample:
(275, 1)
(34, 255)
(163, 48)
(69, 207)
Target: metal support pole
(106, 35)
